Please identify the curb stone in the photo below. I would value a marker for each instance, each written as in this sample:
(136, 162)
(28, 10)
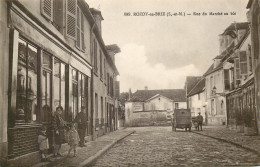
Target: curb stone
(231, 142)
(93, 158)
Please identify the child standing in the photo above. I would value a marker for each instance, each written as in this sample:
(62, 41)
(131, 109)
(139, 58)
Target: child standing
(73, 139)
(43, 143)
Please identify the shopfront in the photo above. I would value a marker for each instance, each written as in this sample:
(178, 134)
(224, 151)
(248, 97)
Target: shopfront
(44, 73)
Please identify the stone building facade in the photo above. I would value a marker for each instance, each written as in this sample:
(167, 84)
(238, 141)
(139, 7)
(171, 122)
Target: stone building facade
(48, 60)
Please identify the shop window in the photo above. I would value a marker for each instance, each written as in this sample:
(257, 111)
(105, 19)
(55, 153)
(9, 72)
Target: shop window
(46, 87)
(83, 91)
(26, 100)
(74, 93)
(59, 85)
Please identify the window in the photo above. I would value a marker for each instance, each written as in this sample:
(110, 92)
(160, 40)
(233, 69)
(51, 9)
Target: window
(74, 93)
(211, 83)
(108, 86)
(83, 97)
(237, 71)
(95, 56)
(47, 9)
(101, 64)
(226, 79)
(250, 66)
(111, 87)
(46, 87)
(53, 10)
(105, 69)
(71, 11)
(102, 108)
(59, 85)
(26, 93)
(96, 106)
(243, 63)
(212, 107)
(176, 105)
(80, 30)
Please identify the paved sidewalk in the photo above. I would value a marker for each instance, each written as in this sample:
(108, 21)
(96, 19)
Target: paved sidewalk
(86, 155)
(251, 143)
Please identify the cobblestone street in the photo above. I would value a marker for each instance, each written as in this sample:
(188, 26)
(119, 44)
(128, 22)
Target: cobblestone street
(159, 146)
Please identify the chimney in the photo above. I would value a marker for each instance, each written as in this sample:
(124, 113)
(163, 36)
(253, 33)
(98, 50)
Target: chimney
(112, 51)
(98, 18)
(130, 94)
(146, 88)
(249, 17)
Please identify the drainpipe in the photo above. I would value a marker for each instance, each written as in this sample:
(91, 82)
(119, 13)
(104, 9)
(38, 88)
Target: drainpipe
(92, 86)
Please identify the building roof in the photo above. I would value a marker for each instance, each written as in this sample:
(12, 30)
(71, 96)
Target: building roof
(219, 57)
(96, 12)
(211, 69)
(234, 26)
(199, 87)
(191, 81)
(177, 95)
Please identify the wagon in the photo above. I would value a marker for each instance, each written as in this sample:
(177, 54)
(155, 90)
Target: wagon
(181, 119)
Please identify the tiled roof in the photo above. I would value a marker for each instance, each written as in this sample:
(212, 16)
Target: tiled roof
(199, 87)
(173, 94)
(191, 81)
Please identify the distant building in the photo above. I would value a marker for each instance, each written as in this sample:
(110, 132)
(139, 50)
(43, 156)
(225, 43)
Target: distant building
(221, 77)
(190, 82)
(153, 107)
(197, 100)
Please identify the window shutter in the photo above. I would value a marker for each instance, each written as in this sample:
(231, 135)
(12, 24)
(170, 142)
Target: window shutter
(243, 63)
(58, 14)
(82, 32)
(71, 11)
(78, 28)
(237, 71)
(226, 79)
(47, 9)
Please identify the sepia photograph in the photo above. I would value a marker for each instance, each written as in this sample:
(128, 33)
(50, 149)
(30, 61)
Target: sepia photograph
(129, 83)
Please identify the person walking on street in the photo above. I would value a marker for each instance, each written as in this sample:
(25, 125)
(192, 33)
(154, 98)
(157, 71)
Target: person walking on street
(200, 121)
(81, 120)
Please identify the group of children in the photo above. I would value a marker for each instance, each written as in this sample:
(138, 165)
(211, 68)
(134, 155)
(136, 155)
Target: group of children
(73, 140)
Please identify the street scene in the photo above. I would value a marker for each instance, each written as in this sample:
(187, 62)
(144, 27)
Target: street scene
(159, 146)
(129, 83)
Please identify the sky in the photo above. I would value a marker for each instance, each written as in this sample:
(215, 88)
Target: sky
(160, 51)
